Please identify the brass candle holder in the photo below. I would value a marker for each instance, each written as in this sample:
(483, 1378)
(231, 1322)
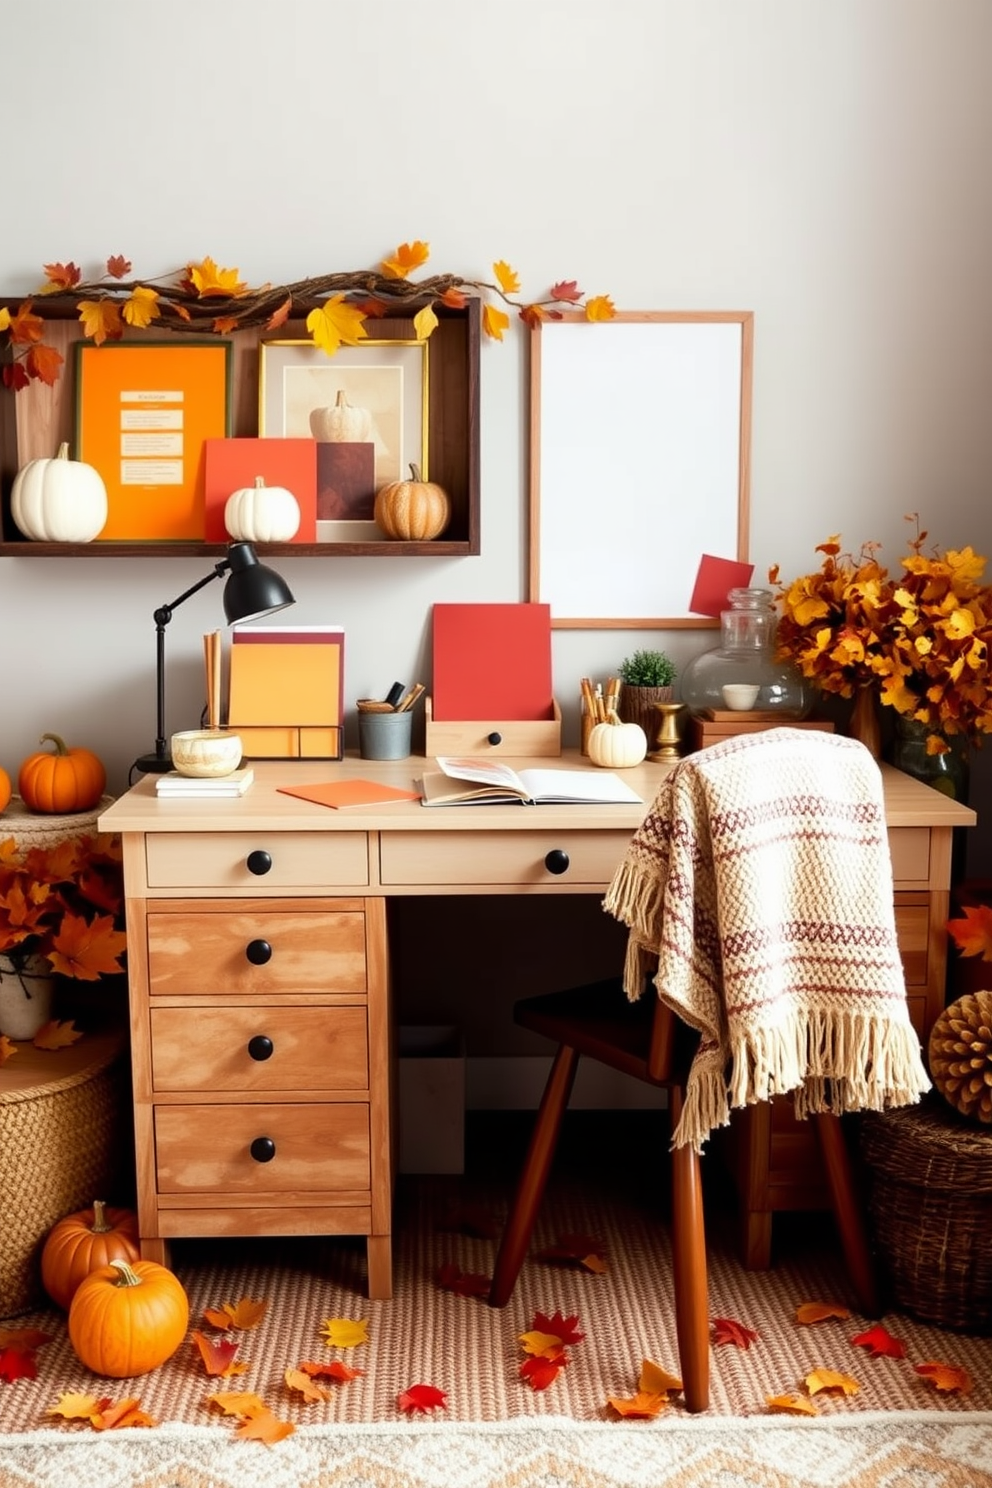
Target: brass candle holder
(668, 743)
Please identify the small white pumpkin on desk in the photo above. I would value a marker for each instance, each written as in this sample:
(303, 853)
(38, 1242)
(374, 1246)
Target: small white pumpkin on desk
(59, 500)
(617, 745)
(262, 513)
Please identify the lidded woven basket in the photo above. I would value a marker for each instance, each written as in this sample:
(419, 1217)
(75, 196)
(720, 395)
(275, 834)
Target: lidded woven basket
(34, 829)
(931, 1211)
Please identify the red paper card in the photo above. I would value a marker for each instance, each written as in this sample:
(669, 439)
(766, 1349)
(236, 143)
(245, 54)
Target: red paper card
(349, 793)
(492, 661)
(231, 464)
(714, 581)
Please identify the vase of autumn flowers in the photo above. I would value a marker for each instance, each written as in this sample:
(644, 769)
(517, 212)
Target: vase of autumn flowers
(916, 642)
(61, 914)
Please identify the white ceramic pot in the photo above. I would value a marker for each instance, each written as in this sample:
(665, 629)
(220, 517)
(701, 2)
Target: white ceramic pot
(26, 996)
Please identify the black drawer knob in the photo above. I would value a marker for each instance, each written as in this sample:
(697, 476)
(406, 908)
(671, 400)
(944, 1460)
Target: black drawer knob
(260, 1047)
(258, 952)
(259, 862)
(557, 861)
(263, 1149)
(494, 738)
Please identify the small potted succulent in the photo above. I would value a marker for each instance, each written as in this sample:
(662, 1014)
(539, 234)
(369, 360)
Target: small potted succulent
(646, 678)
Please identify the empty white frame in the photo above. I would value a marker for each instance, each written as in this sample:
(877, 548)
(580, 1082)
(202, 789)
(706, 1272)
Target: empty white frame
(640, 431)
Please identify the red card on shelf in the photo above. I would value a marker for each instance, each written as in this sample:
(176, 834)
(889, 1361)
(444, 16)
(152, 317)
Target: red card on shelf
(492, 661)
(232, 464)
(714, 581)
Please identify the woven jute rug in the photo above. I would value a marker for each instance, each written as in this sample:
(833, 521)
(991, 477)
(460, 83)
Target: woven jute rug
(494, 1430)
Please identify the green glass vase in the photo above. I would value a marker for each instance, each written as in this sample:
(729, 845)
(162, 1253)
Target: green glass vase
(949, 772)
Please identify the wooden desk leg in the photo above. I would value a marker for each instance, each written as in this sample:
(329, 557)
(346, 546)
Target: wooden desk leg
(753, 1152)
(155, 1250)
(379, 1250)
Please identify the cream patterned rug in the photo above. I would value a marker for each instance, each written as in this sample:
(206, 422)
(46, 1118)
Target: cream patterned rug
(493, 1430)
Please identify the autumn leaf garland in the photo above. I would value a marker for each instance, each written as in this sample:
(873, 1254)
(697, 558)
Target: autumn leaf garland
(205, 297)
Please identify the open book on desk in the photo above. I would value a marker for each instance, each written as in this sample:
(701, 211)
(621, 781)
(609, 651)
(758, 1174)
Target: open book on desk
(480, 782)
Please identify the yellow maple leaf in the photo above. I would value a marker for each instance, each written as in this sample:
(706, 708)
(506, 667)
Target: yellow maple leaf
(335, 323)
(236, 1402)
(208, 280)
(74, 1407)
(830, 1379)
(818, 1312)
(424, 322)
(656, 1381)
(541, 1344)
(600, 307)
(494, 322)
(346, 1332)
(101, 320)
(793, 1404)
(506, 278)
(408, 256)
(298, 1379)
(4, 317)
(643, 1406)
(7, 1048)
(141, 308)
(56, 1035)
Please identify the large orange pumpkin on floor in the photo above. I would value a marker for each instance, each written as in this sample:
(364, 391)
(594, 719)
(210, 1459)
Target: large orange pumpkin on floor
(67, 781)
(127, 1319)
(81, 1243)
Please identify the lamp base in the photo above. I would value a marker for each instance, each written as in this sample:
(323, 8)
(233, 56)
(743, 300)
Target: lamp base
(153, 764)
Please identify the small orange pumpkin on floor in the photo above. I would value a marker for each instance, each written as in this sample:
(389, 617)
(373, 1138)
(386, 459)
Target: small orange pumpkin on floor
(81, 1243)
(5, 789)
(128, 1318)
(67, 781)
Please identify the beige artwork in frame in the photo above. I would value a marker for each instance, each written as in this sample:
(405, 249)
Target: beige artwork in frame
(640, 434)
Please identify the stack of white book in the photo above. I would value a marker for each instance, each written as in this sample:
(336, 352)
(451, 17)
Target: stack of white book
(172, 784)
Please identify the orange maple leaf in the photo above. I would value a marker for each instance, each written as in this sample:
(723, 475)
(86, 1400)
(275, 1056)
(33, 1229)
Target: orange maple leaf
(507, 278)
(302, 1382)
(653, 1380)
(587, 1250)
(408, 256)
(566, 289)
(830, 1379)
(535, 315)
(23, 1339)
(946, 1377)
(640, 1407)
(263, 1426)
(124, 1413)
(61, 276)
(373, 308)
(7, 1048)
(494, 322)
(224, 324)
(818, 1312)
(340, 1373)
(455, 299)
(236, 1402)
(879, 1341)
(726, 1330)
(101, 320)
(218, 1354)
(25, 327)
(280, 316)
(118, 267)
(796, 1405)
(87, 950)
(245, 1314)
(973, 933)
(56, 1035)
(422, 1398)
(600, 307)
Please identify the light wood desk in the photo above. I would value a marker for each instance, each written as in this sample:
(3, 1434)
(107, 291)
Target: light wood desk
(262, 1033)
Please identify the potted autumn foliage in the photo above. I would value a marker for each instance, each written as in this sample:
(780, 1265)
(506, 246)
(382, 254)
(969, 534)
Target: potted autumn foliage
(61, 914)
(646, 678)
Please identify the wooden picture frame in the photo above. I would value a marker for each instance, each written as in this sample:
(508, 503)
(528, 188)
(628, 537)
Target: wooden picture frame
(640, 435)
(390, 379)
(144, 411)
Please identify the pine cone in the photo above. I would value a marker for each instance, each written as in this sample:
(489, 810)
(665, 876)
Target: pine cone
(960, 1055)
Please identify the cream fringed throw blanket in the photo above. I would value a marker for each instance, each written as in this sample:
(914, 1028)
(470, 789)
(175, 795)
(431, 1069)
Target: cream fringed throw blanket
(758, 894)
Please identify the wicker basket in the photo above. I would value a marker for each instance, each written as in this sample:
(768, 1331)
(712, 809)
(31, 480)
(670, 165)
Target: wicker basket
(931, 1210)
(33, 829)
(65, 1140)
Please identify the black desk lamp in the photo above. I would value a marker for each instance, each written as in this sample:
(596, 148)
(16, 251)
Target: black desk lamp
(251, 590)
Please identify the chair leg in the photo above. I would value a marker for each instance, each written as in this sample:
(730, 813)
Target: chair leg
(689, 1270)
(534, 1176)
(848, 1211)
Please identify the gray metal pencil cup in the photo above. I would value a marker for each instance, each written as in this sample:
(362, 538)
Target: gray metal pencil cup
(384, 736)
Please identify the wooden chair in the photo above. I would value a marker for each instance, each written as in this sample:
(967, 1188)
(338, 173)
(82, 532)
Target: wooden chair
(647, 1040)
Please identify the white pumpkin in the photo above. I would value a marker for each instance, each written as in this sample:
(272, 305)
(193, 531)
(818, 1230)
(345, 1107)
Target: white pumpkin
(617, 746)
(342, 424)
(59, 500)
(262, 513)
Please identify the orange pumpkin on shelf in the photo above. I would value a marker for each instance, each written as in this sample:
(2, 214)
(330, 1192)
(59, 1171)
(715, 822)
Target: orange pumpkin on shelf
(412, 510)
(128, 1318)
(67, 781)
(81, 1243)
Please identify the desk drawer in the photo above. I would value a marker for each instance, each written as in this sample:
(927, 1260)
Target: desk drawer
(500, 857)
(199, 954)
(208, 1148)
(312, 1049)
(218, 861)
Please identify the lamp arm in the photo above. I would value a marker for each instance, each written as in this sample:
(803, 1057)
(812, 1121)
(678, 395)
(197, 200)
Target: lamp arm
(162, 616)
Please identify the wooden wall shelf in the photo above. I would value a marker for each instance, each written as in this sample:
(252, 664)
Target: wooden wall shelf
(35, 421)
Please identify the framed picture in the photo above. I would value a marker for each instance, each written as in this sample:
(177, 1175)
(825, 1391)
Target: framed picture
(640, 434)
(366, 406)
(143, 413)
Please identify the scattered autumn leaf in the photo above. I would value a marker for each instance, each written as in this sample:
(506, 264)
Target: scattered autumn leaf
(972, 934)
(422, 1398)
(87, 949)
(302, 1382)
(101, 320)
(463, 1283)
(818, 1312)
(585, 1250)
(74, 1407)
(342, 1373)
(654, 1380)
(218, 1354)
(236, 1402)
(17, 1365)
(7, 1048)
(346, 1332)
(243, 1315)
(263, 1426)
(879, 1341)
(56, 1035)
(563, 1328)
(540, 1371)
(727, 1330)
(796, 1405)
(640, 1407)
(23, 1339)
(830, 1380)
(946, 1377)
(124, 1413)
(539, 1343)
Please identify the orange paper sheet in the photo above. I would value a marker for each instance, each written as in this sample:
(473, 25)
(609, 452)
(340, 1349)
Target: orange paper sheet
(339, 793)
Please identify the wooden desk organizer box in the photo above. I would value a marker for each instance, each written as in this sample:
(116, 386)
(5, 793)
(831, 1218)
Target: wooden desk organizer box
(533, 737)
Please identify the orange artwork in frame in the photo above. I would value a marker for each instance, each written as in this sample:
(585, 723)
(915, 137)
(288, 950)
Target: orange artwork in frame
(143, 413)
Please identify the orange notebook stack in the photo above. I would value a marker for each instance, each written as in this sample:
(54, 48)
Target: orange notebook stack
(286, 696)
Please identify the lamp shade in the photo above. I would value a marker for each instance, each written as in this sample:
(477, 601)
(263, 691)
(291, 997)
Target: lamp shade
(252, 589)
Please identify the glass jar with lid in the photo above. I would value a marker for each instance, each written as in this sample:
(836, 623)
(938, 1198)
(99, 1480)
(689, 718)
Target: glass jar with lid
(741, 673)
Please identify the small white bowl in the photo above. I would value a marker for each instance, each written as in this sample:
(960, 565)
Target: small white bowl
(740, 695)
(206, 754)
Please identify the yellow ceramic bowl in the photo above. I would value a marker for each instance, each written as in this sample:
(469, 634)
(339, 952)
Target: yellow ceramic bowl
(206, 753)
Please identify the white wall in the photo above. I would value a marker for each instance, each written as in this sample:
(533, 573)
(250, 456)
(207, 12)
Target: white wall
(825, 165)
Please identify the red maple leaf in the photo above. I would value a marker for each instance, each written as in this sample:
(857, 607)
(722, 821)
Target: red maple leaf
(422, 1398)
(542, 1370)
(726, 1330)
(561, 1327)
(16, 1365)
(879, 1341)
(566, 289)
